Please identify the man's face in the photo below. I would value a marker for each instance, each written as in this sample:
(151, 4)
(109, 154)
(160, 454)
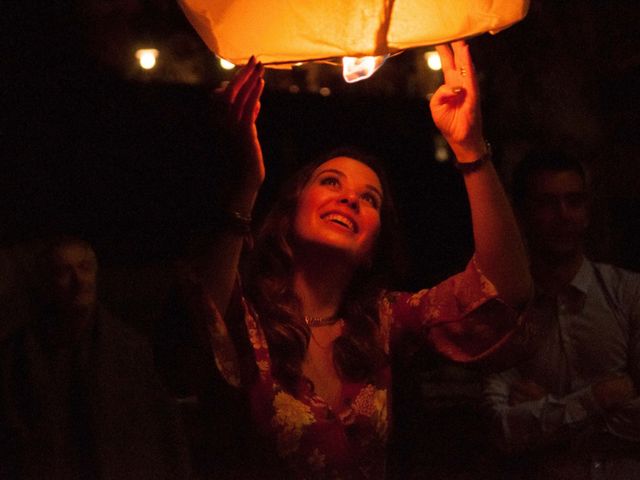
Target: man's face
(73, 278)
(555, 214)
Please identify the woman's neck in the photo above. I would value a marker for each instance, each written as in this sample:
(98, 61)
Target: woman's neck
(320, 281)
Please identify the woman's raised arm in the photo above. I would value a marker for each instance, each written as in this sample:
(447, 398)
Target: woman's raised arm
(455, 108)
(215, 265)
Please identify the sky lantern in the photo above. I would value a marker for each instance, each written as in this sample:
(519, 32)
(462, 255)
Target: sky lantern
(282, 33)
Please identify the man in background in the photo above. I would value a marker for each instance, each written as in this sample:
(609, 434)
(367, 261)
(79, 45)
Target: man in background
(80, 395)
(571, 409)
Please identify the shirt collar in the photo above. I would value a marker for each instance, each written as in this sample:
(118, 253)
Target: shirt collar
(584, 278)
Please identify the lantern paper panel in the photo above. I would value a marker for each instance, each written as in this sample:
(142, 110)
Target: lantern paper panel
(285, 32)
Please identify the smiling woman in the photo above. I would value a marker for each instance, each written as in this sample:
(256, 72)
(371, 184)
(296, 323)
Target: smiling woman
(316, 305)
(339, 207)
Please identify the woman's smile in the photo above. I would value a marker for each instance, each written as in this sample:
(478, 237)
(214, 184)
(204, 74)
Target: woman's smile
(342, 220)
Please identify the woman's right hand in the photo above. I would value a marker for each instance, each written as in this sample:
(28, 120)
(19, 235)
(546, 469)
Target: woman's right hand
(241, 100)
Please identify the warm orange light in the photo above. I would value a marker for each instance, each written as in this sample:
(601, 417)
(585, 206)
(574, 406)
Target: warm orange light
(355, 69)
(283, 33)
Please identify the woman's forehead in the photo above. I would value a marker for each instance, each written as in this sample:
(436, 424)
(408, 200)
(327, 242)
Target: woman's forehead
(350, 167)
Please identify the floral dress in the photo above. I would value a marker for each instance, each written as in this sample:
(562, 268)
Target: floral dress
(462, 318)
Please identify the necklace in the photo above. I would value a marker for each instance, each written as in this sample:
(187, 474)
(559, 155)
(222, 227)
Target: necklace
(321, 321)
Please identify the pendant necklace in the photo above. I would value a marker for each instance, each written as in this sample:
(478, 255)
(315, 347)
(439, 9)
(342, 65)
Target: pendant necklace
(321, 321)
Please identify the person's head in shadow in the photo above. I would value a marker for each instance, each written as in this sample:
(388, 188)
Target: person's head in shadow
(550, 195)
(66, 273)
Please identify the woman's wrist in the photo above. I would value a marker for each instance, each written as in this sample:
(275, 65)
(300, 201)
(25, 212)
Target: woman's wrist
(478, 161)
(235, 221)
(241, 196)
(470, 152)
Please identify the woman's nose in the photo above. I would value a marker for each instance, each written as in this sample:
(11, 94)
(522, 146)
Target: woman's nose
(351, 200)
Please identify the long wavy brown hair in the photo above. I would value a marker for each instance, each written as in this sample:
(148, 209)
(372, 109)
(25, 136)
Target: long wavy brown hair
(358, 354)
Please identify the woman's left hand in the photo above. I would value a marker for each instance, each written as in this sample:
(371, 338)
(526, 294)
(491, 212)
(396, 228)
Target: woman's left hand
(455, 106)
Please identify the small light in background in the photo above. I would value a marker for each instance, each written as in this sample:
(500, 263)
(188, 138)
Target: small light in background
(226, 64)
(433, 60)
(325, 91)
(440, 149)
(294, 89)
(147, 57)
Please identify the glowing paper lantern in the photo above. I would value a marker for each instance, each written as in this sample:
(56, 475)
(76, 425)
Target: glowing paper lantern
(285, 32)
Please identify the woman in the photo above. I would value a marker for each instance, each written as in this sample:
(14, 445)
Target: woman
(320, 326)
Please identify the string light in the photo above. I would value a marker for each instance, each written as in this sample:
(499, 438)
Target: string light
(433, 60)
(147, 57)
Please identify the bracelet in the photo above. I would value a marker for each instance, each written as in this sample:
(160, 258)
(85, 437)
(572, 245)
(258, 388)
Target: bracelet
(468, 167)
(235, 221)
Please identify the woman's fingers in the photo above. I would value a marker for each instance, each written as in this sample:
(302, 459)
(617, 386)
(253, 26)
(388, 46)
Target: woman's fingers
(239, 80)
(465, 68)
(447, 61)
(252, 105)
(457, 66)
(448, 95)
(245, 97)
(461, 56)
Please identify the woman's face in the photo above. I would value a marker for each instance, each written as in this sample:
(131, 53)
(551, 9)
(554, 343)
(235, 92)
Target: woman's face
(340, 207)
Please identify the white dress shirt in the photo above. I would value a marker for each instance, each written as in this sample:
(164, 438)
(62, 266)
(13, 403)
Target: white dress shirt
(592, 330)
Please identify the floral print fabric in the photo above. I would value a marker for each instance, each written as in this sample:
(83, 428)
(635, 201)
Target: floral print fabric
(461, 318)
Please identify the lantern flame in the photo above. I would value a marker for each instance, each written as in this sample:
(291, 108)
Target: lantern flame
(355, 69)
(226, 64)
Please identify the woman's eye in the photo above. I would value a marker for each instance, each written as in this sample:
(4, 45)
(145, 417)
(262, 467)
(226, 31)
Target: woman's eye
(332, 181)
(372, 199)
